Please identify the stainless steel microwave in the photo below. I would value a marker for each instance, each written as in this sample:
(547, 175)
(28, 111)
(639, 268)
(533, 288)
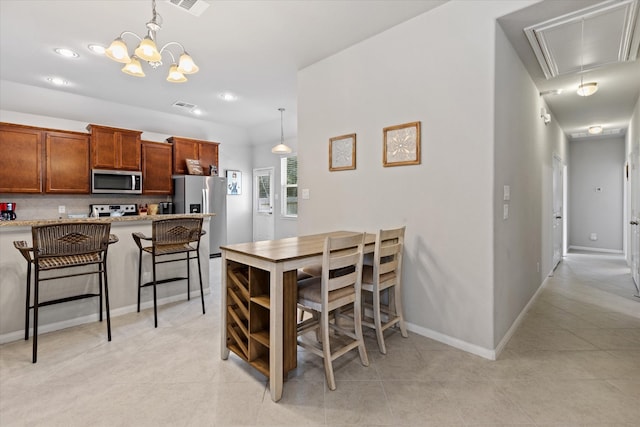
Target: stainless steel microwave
(116, 182)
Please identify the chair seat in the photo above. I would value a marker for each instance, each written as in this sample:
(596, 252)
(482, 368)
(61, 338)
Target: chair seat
(311, 290)
(170, 249)
(68, 261)
(385, 279)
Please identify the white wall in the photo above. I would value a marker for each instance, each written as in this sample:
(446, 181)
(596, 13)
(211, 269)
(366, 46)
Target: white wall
(524, 148)
(437, 68)
(596, 163)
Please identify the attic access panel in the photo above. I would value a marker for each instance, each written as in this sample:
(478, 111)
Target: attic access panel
(611, 35)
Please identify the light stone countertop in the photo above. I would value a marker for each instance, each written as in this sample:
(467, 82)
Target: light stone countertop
(112, 219)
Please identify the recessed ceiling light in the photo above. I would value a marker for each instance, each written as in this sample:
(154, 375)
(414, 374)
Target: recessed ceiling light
(227, 96)
(57, 81)
(197, 111)
(96, 48)
(67, 53)
(595, 130)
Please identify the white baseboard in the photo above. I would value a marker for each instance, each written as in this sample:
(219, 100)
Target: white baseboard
(516, 324)
(18, 335)
(453, 342)
(589, 249)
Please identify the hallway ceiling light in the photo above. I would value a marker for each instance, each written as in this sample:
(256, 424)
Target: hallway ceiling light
(281, 148)
(148, 51)
(587, 89)
(595, 130)
(584, 89)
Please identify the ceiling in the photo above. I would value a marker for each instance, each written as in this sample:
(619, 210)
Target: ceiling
(595, 51)
(250, 48)
(254, 50)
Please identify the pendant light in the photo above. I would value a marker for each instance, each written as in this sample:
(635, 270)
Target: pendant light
(584, 89)
(281, 148)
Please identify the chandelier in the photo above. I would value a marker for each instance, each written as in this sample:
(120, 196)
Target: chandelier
(148, 51)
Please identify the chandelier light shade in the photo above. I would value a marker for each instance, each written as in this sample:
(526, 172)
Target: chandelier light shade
(281, 148)
(147, 50)
(587, 89)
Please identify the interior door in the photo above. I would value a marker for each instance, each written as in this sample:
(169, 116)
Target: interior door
(558, 197)
(263, 219)
(634, 203)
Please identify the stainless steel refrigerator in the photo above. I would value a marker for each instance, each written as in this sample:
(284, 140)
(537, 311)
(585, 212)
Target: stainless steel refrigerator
(204, 194)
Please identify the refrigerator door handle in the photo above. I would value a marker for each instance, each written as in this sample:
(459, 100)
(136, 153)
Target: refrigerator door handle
(205, 200)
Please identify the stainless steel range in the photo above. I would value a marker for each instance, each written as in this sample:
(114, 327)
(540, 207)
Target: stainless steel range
(113, 210)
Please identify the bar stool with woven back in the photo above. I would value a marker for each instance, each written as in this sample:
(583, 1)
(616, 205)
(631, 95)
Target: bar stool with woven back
(169, 237)
(76, 245)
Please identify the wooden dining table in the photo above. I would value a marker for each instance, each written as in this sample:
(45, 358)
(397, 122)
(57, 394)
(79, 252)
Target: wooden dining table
(259, 297)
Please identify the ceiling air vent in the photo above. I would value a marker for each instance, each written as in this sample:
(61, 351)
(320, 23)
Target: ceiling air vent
(184, 106)
(194, 7)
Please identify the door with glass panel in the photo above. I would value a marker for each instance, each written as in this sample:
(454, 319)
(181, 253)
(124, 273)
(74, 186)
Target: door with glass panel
(263, 219)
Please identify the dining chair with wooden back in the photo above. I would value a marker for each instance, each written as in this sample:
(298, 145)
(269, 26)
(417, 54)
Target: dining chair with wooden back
(338, 286)
(385, 275)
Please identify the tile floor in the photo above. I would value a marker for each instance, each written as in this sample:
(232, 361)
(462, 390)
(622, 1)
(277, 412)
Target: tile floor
(575, 361)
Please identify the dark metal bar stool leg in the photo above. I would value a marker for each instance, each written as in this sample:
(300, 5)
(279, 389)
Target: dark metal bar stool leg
(188, 279)
(106, 297)
(27, 308)
(155, 302)
(139, 277)
(34, 358)
(100, 290)
(200, 274)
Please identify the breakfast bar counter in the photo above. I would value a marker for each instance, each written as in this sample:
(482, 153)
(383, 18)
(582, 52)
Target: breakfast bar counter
(122, 269)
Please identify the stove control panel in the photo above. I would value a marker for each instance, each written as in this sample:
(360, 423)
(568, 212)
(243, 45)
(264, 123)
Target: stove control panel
(114, 210)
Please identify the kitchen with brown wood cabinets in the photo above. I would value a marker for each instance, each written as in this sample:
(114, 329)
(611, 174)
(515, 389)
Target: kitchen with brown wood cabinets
(113, 148)
(156, 168)
(186, 148)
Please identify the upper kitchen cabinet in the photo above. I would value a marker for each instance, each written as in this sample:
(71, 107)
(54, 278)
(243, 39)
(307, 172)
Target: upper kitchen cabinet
(156, 168)
(113, 148)
(21, 159)
(185, 148)
(67, 163)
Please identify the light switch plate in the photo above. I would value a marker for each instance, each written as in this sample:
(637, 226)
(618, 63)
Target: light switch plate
(305, 194)
(62, 209)
(507, 193)
(505, 211)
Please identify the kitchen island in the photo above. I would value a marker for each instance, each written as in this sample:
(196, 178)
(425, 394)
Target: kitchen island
(122, 270)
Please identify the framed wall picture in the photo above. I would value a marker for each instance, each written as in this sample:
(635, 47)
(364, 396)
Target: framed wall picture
(401, 145)
(342, 152)
(234, 182)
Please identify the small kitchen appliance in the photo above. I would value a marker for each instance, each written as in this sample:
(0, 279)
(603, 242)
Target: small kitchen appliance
(113, 210)
(7, 211)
